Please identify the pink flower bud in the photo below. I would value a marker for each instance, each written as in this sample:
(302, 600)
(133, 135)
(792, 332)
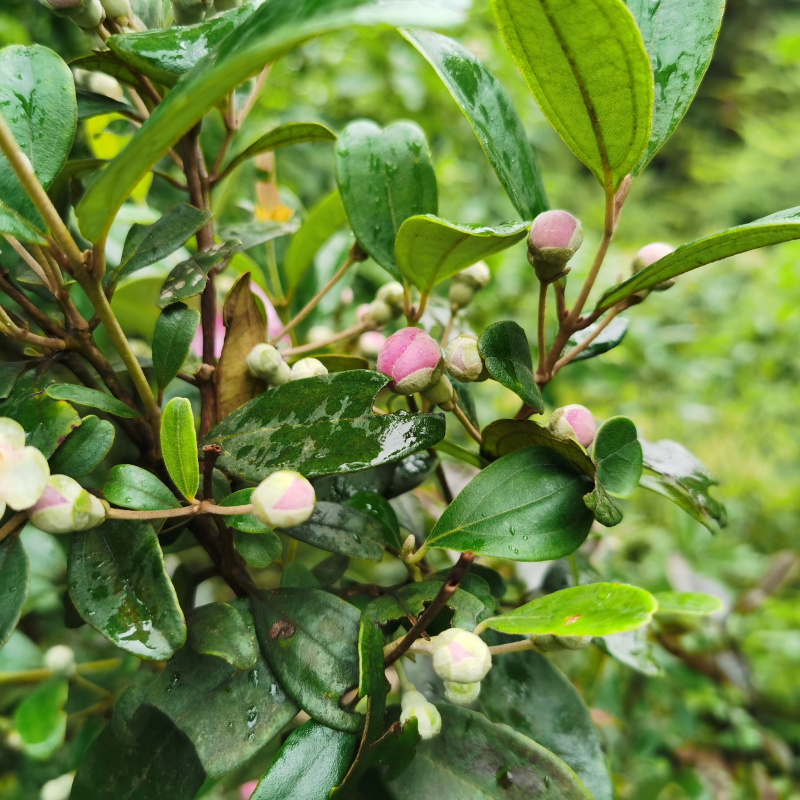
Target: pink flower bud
(463, 360)
(574, 422)
(554, 238)
(283, 499)
(412, 359)
(648, 255)
(461, 656)
(23, 470)
(246, 789)
(66, 506)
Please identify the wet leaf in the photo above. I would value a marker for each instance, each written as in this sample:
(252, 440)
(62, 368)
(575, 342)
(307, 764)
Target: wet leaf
(14, 581)
(129, 486)
(381, 511)
(179, 446)
(217, 629)
(84, 448)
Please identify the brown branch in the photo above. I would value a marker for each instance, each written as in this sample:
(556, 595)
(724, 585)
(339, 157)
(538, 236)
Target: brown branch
(211, 452)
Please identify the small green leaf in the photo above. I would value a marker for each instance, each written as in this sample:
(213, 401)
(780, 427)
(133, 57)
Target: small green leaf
(175, 329)
(601, 504)
(607, 340)
(188, 279)
(83, 396)
(91, 104)
(14, 581)
(618, 456)
(384, 177)
(255, 232)
(217, 629)
(429, 249)
(381, 511)
(783, 226)
(129, 486)
(119, 585)
(311, 762)
(248, 523)
(40, 719)
(179, 446)
(505, 348)
(596, 609)
(257, 549)
(695, 603)
(84, 448)
(631, 648)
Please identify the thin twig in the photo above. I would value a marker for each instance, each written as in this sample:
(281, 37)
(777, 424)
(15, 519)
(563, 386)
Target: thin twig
(349, 333)
(13, 525)
(448, 329)
(579, 348)
(211, 452)
(30, 261)
(205, 507)
(462, 418)
(541, 327)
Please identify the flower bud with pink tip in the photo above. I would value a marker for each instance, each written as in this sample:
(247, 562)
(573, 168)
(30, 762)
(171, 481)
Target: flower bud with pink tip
(460, 656)
(554, 238)
(283, 499)
(463, 360)
(412, 359)
(65, 506)
(23, 470)
(648, 255)
(574, 422)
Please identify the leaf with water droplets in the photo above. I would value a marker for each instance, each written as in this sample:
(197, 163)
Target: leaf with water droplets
(119, 585)
(217, 629)
(14, 580)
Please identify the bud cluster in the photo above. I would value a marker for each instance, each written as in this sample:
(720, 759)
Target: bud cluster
(387, 306)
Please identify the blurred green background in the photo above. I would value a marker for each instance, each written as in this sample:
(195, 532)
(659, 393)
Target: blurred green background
(714, 364)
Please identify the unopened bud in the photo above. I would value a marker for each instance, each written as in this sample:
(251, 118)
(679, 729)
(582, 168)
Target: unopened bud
(66, 506)
(346, 296)
(409, 545)
(392, 294)
(554, 238)
(60, 660)
(319, 333)
(370, 344)
(283, 499)
(463, 360)
(23, 470)
(549, 642)
(461, 656)
(308, 368)
(648, 255)
(380, 313)
(59, 788)
(462, 694)
(117, 10)
(466, 283)
(86, 14)
(415, 706)
(574, 422)
(441, 394)
(412, 359)
(265, 363)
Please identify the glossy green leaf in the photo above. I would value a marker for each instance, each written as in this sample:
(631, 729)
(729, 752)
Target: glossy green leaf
(695, 603)
(595, 609)
(381, 511)
(247, 523)
(152, 758)
(257, 549)
(286, 427)
(175, 329)
(311, 762)
(83, 396)
(283, 136)
(475, 758)
(341, 529)
(490, 113)
(14, 581)
(429, 249)
(679, 39)
(683, 479)
(607, 340)
(385, 176)
(586, 66)
(309, 639)
(188, 279)
(527, 693)
(179, 446)
(91, 104)
(217, 629)
(129, 486)
(148, 244)
(9, 372)
(37, 101)
(505, 348)
(631, 648)
(526, 506)
(84, 448)
(273, 30)
(618, 456)
(40, 719)
(119, 585)
(782, 226)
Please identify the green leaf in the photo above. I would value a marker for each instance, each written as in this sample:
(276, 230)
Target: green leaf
(605, 510)
(341, 529)
(596, 609)
(175, 329)
(429, 249)
(179, 446)
(91, 104)
(255, 232)
(189, 278)
(14, 581)
(586, 67)
(9, 372)
(129, 486)
(217, 629)
(324, 219)
(505, 348)
(607, 340)
(298, 576)
(527, 693)
(330, 569)
(148, 244)
(679, 40)
(618, 455)
(526, 506)
(84, 448)
(379, 508)
(311, 762)
(782, 226)
(683, 479)
(385, 176)
(248, 523)
(309, 639)
(283, 136)
(695, 603)
(83, 396)
(319, 426)
(119, 585)
(475, 758)
(490, 113)
(273, 30)
(334, 362)
(37, 98)
(151, 759)
(257, 549)
(631, 648)
(40, 719)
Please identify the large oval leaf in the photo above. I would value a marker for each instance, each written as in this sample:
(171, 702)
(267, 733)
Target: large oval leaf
(489, 111)
(14, 580)
(118, 583)
(384, 177)
(586, 66)
(526, 506)
(179, 446)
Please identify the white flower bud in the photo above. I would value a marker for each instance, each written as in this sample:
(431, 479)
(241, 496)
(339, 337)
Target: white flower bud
(370, 344)
(284, 499)
(308, 368)
(462, 694)
(461, 656)
(60, 660)
(414, 706)
(59, 788)
(118, 10)
(23, 470)
(477, 276)
(460, 294)
(380, 313)
(265, 363)
(463, 360)
(392, 294)
(319, 333)
(66, 506)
